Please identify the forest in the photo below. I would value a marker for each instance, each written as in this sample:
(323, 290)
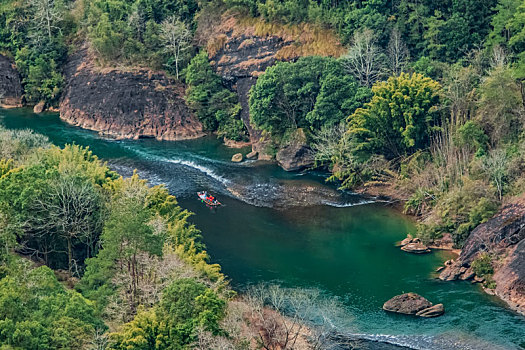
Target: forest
(427, 103)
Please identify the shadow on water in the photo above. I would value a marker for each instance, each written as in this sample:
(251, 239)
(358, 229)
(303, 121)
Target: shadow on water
(293, 229)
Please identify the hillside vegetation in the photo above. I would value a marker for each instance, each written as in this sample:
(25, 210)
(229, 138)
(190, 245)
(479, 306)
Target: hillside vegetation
(423, 101)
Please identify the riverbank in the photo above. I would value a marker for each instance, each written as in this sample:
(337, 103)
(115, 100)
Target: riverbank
(304, 247)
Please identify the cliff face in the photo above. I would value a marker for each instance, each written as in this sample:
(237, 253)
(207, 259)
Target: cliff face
(122, 104)
(10, 86)
(502, 236)
(239, 56)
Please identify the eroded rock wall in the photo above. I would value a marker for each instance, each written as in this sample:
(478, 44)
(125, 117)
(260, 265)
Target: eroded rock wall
(503, 237)
(10, 85)
(126, 104)
(239, 56)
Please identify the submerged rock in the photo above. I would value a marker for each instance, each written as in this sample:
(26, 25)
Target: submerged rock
(413, 304)
(237, 158)
(296, 155)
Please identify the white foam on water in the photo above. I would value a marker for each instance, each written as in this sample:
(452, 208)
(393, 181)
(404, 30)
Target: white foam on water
(348, 205)
(186, 163)
(201, 168)
(428, 342)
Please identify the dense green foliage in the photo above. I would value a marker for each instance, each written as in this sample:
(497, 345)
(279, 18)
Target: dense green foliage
(122, 238)
(216, 106)
(34, 34)
(399, 118)
(310, 93)
(444, 30)
(133, 31)
(37, 312)
(185, 306)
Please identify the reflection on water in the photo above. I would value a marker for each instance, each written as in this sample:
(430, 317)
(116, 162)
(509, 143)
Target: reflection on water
(296, 230)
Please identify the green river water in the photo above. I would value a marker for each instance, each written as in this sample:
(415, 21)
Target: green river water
(340, 244)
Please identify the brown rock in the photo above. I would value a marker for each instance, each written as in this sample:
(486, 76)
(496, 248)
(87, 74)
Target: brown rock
(296, 155)
(504, 237)
(126, 104)
(478, 279)
(415, 248)
(450, 272)
(406, 241)
(39, 108)
(467, 275)
(237, 158)
(440, 268)
(252, 155)
(408, 303)
(433, 311)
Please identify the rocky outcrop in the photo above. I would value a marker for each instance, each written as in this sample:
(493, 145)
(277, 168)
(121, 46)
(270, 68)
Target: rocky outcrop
(39, 107)
(413, 245)
(415, 248)
(413, 304)
(10, 86)
(296, 154)
(503, 237)
(239, 56)
(126, 104)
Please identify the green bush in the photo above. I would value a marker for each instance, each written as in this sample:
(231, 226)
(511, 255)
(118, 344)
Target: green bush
(216, 106)
(312, 93)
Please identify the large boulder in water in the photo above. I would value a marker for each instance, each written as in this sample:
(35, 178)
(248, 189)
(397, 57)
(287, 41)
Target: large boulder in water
(413, 304)
(415, 248)
(296, 155)
(237, 158)
(39, 107)
(10, 86)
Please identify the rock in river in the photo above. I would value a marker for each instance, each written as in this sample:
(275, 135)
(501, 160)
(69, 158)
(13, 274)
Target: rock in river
(413, 304)
(433, 311)
(296, 155)
(39, 107)
(237, 158)
(252, 155)
(416, 248)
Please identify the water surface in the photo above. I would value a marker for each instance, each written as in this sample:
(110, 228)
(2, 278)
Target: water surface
(341, 243)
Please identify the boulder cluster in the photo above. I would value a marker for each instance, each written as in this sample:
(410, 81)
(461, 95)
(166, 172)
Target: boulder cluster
(413, 304)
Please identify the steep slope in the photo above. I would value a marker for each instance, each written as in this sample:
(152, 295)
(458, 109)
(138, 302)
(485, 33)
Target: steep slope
(240, 50)
(125, 104)
(503, 236)
(10, 86)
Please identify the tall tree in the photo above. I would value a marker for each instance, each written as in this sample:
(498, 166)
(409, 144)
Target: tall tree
(364, 59)
(398, 55)
(399, 118)
(46, 16)
(177, 38)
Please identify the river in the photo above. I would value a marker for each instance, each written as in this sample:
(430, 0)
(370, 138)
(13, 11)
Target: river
(297, 231)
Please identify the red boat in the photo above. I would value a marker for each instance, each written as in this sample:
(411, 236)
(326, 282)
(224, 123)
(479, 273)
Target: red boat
(208, 199)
